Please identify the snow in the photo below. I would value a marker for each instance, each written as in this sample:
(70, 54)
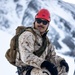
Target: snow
(5, 67)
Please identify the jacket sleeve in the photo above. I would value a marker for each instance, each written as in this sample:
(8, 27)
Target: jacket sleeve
(52, 57)
(26, 49)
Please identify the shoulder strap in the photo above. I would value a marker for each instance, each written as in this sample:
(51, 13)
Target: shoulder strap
(26, 29)
(17, 36)
(44, 43)
(42, 48)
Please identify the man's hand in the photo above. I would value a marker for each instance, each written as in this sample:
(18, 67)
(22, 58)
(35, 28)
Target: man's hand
(50, 67)
(64, 63)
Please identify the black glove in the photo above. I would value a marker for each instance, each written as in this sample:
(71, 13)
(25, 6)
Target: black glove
(50, 67)
(64, 63)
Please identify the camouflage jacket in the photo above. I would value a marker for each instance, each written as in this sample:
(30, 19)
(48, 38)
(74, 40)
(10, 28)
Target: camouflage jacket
(27, 46)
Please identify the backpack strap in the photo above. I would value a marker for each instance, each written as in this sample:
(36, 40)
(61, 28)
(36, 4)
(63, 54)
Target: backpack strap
(42, 48)
(44, 43)
(17, 36)
(26, 29)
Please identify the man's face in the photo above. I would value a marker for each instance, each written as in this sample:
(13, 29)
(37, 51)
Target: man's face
(41, 25)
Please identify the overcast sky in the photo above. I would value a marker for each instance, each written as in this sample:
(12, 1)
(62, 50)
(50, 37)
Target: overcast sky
(70, 1)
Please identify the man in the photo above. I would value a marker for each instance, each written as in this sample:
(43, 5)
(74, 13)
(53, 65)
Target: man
(30, 61)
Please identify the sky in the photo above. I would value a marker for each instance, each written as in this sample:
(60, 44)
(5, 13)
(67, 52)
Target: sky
(70, 1)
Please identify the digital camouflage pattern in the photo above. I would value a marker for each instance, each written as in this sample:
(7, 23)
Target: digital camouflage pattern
(27, 46)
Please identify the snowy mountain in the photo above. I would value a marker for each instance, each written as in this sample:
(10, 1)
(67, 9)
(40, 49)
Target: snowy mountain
(22, 12)
(62, 27)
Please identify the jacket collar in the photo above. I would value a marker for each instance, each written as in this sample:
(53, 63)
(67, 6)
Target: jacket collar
(38, 33)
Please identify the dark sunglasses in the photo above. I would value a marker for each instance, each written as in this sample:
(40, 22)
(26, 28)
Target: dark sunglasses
(40, 20)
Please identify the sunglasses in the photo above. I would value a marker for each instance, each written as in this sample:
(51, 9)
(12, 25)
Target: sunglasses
(45, 22)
